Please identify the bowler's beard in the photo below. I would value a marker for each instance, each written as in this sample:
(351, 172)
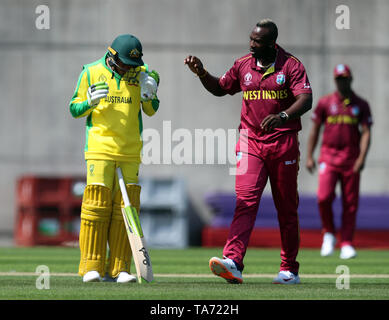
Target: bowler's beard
(265, 54)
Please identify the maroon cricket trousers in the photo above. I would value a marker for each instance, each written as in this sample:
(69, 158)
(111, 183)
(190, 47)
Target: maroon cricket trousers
(329, 175)
(259, 161)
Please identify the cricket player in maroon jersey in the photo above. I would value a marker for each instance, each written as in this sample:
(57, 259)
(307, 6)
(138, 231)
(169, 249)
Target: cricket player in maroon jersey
(276, 92)
(346, 138)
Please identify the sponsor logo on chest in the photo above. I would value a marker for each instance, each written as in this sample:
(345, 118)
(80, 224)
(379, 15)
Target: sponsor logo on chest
(343, 115)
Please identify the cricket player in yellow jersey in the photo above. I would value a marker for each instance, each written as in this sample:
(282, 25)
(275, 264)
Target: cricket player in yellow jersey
(111, 93)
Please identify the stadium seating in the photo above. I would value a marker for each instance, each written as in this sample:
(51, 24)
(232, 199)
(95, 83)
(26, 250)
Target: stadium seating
(372, 221)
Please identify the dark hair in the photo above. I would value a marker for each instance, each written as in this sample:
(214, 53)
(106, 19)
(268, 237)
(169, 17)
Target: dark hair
(269, 24)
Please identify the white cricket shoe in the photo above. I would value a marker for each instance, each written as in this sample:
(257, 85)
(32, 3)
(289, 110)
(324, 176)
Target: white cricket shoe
(328, 246)
(125, 277)
(347, 252)
(286, 277)
(91, 276)
(226, 269)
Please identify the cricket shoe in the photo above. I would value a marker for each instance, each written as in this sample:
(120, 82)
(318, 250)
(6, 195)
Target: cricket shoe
(347, 252)
(227, 269)
(91, 276)
(328, 245)
(125, 277)
(286, 277)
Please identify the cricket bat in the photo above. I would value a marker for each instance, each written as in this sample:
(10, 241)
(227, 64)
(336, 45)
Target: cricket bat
(136, 238)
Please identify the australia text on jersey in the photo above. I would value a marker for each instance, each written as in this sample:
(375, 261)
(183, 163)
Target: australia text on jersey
(118, 99)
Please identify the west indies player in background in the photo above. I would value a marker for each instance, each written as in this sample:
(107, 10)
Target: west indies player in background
(276, 92)
(346, 138)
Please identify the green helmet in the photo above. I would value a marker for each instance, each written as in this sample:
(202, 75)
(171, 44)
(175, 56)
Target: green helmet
(128, 49)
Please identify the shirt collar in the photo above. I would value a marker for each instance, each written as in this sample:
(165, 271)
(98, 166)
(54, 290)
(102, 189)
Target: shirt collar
(280, 59)
(346, 101)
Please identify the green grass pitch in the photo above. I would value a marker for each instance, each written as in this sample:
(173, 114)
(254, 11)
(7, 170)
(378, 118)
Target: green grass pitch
(185, 275)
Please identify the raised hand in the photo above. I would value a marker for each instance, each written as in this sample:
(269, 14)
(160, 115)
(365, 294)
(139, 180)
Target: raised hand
(195, 65)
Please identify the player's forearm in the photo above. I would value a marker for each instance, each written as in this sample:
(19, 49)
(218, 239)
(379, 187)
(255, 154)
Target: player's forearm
(211, 83)
(80, 109)
(364, 144)
(312, 142)
(302, 104)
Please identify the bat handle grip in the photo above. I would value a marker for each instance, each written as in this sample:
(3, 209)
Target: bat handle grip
(122, 186)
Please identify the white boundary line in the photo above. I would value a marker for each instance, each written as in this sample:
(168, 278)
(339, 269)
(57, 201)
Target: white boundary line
(183, 275)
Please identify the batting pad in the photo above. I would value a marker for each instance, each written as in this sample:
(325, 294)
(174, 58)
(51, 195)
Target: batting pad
(119, 247)
(96, 212)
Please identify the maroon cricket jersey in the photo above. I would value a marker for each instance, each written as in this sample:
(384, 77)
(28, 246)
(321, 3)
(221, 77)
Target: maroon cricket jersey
(341, 119)
(266, 91)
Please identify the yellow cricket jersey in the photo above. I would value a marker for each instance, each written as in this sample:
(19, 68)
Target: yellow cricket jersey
(114, 126)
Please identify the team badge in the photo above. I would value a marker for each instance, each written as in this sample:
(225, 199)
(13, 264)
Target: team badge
(134, 53)
(355, 110)
(247, 78)
(280, 79)
(102, 78)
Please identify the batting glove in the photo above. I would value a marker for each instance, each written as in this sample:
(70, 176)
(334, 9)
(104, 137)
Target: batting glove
(96, 92)
(154, 74)
(148, 87)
